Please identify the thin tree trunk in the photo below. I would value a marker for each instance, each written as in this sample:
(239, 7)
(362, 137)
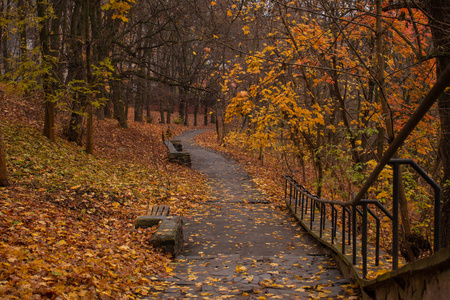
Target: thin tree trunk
(76, 72)
(181, 105)
(90, 130)
(186, 114)
(119, 105)
(196, 106)
(23, 31)
(4, 41)
(49, 105)
(403, 203)
(139, 101)
(169, 111)
(88, 79)
(3, 171)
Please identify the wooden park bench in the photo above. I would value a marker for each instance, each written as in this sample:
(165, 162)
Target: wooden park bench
(176, 153)
(169, 235)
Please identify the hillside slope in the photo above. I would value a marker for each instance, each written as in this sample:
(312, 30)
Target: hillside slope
(66, 220)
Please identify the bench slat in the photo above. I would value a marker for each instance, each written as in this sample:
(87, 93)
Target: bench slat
(166, 210)
(158, 210)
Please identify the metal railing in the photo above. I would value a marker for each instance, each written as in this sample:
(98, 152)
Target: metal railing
(354, 219)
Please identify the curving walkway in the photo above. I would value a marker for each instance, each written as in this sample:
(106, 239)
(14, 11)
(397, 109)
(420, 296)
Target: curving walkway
(238, 247)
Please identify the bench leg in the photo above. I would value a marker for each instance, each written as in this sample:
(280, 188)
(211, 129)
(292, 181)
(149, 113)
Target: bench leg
(169, 236)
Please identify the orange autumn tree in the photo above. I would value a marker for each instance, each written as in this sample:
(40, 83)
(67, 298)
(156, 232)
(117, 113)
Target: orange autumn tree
(332, 86)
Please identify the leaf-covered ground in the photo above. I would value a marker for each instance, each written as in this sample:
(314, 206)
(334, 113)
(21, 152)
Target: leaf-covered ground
(67, 219)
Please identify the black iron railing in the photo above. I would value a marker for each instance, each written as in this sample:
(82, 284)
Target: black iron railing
(351, 221)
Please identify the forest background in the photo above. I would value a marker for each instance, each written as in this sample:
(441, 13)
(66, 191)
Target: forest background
(316, 89)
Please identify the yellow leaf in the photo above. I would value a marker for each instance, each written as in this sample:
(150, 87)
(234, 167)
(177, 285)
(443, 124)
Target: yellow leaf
(213, 3)
(124, 248)
(240, 269)
(229, 13)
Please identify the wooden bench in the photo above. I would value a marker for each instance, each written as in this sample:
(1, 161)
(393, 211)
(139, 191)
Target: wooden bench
(176, 153)
(169, 235)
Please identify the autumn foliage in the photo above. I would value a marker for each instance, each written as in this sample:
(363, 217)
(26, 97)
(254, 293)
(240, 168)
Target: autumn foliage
(326, 91)
(67, 218)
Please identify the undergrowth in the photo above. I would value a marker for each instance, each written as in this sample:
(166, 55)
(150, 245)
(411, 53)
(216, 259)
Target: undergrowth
(67, 218)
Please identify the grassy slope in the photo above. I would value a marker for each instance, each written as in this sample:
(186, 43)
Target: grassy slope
(66, 221)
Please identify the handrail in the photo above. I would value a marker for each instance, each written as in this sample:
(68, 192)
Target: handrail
(298, 197)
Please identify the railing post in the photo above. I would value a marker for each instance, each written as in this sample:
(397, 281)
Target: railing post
(437, 218)
(290, 193)
(303, 204)
(354, 232)
(343, 230)
(395, 225)
(306, 203)
(321, 220)
(377, 247)
(364, 240)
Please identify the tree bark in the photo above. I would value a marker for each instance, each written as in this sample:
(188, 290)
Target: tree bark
(23, 30)
(196, 106)
(5, 38)
(119, 105)
(49, 105)
(381, 95)
(139, 101)
(3, 171)
(76, 73)
(90, 130)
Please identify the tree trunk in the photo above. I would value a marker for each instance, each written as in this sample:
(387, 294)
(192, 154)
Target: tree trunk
(197, 104)
(181, 106)
(76, 74)
(381, 95)
(3, 172)
(148, 102)
(5, 38)
(23, 30)
(169, 110)
(90, 130)
(49, 105)
(119, 105)
(161, 111)
(88, 79)
(139, 101)
(186, 114)
(205, 117)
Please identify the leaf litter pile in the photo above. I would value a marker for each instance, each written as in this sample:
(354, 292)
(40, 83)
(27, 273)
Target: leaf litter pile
(67, 219)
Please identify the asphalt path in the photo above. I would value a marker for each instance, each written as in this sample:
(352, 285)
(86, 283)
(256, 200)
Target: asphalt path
(238, 246)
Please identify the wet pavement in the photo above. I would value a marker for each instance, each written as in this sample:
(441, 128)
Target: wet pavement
(238, 246)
